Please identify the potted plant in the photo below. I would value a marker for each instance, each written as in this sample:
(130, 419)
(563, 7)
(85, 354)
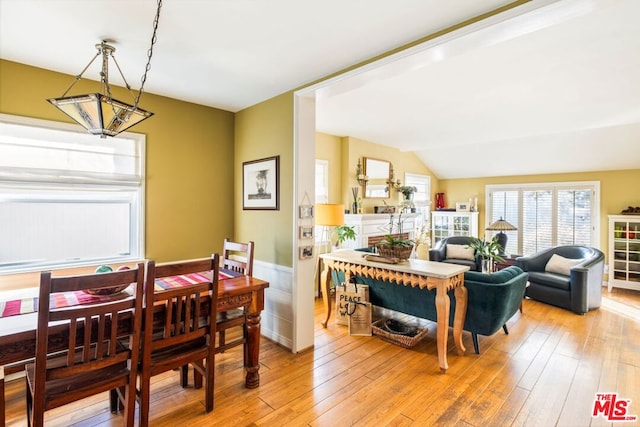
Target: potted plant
(489, 251)
(344, 233)
(407, 191)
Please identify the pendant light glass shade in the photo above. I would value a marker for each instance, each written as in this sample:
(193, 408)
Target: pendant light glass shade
(99, 114)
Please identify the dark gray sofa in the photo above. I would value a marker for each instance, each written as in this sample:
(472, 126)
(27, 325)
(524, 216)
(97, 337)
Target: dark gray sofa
(439, 252)
(580, 291)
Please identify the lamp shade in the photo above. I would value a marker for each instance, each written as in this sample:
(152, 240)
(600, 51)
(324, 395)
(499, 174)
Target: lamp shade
(330, 214)
(99, 114)
(501, 225)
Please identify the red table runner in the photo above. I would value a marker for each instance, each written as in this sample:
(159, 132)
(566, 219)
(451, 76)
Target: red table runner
(30, 305)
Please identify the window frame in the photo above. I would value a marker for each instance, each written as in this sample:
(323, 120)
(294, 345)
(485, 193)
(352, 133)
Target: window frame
(554, 187)
(97, 187)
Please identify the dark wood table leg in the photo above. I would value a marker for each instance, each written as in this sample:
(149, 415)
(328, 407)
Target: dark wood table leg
(252, 345)
(252, 351)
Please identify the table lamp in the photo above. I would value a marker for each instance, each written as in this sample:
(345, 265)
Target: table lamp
(329, 215)
(501, 226)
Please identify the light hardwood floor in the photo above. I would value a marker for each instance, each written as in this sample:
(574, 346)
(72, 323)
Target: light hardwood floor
(545, 372)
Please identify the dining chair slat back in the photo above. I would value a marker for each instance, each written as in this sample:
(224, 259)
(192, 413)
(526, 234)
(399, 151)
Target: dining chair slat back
(97, 356)
(237, 256)
(187, 333)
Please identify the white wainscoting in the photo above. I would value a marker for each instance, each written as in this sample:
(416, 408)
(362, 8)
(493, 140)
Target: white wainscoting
(277, 318)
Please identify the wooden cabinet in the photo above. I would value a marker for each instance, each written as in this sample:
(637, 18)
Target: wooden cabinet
(624, 251)
(446, 224)
(370, 228)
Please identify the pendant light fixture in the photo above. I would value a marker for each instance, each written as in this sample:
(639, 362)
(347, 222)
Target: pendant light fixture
(99, 113)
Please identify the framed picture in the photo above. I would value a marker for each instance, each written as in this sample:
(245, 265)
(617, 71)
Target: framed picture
(306, 252)
(306, 211)
(261, 184)
(462, 207)
(306, 232)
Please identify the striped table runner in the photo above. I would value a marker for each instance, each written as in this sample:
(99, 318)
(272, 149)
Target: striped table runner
(30, 305)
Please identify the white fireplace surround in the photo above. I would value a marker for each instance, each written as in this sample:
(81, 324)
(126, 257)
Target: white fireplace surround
(369, 226)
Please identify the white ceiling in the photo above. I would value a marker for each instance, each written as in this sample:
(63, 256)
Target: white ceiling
(555, 89)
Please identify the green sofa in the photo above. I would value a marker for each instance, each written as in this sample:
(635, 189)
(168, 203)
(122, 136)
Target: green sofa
(492, 299)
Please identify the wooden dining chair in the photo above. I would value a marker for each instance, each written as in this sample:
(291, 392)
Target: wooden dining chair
(238, 257)
(186, 334)
(93, 357)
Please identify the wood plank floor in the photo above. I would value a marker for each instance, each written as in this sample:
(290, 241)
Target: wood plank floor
(546, 372)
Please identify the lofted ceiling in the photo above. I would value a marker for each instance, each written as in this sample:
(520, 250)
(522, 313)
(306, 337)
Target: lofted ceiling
(550, 86)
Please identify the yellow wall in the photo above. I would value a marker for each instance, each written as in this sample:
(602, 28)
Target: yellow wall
(618, 189)
(345, 152)
(329, 147)
(266, 130)
(189, 159)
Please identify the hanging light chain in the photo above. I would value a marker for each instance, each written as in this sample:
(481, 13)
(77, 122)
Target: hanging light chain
(149, 54)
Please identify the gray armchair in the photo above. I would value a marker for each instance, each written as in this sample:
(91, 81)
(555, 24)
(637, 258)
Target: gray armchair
(439, 252)
(579, 291)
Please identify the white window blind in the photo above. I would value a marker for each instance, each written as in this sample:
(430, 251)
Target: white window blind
(68, 198)
(322, 181)
(546, 215)
(421, 198)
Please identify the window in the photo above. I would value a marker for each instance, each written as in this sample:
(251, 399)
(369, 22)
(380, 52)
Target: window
(68, 198)
(322, 181)
(421, 198)
(322, 196)
(546, 215)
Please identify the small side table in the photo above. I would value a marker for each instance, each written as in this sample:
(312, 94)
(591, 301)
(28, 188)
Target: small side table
(507, 262)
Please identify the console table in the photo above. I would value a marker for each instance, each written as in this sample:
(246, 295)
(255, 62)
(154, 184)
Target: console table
(415, 273)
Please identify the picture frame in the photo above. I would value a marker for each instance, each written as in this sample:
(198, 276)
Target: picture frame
(306, 211)
(261, 184)
(306, 252)
(306, 232)
(462, 207)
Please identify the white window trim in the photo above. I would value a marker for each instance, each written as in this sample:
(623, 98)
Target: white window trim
(140, 205)
(595, 212)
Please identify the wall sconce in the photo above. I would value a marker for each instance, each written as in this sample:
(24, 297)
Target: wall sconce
(360, 176)
(393, 182)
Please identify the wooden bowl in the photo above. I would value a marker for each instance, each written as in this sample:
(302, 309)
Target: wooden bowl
(110, 290)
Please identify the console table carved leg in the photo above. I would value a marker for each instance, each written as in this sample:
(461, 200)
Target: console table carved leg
(443, 305)
(460, 292)
(325, 282)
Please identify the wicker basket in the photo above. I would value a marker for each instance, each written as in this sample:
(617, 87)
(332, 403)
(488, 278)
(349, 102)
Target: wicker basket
(406, 341)
(399, 252)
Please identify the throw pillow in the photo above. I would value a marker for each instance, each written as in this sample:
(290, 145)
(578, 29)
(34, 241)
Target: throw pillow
(460, 252)
(561, 265)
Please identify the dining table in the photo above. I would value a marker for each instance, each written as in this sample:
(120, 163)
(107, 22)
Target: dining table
(18, 332)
